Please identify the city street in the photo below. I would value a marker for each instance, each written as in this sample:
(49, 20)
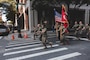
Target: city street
(27, 49)
(23, 20)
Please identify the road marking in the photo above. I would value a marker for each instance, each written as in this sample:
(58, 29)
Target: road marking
(27, 50)
(22, 44)
(63, 57)
(71, 37)
(20, 47)
(85, 39)
(38, 54)
(52, 36)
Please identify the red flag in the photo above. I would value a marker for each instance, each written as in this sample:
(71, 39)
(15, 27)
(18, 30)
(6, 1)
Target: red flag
(64, 17)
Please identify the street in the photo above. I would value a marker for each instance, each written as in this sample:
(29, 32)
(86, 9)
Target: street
(34, 50)
(25, 25)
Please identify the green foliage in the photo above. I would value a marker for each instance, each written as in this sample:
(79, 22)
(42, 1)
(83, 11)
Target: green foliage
(10, 11)
(11, 15)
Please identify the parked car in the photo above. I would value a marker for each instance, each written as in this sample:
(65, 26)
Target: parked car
(4, 31)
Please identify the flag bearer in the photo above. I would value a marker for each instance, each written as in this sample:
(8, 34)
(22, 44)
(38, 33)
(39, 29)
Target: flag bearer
(57, 25)
(62, 30)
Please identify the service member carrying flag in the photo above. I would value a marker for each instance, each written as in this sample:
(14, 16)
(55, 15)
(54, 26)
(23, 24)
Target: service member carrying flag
(62, 25)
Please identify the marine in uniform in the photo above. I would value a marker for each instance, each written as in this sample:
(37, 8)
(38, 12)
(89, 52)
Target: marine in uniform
(44, 36)
(85, 30)
(57, 25)
(62, 33)
(75, 26)
(37, 30)
(79, 30)
(88, 34)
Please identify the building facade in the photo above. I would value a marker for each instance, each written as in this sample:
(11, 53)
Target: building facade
(0, 14)
(31, 17)
(21, 4)
(86, 13)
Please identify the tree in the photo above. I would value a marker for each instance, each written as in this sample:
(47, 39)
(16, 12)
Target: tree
(10, 9)
(11, 14)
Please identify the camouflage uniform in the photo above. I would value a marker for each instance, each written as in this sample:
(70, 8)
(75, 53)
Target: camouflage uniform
(75, 27)
(79, 31)
(85, 30)
(57, 30)
(62, 33)
(88, 34)
(37, 31)
(44, 37)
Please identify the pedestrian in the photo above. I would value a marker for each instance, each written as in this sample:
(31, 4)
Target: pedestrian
(44, 37)
(19, 25)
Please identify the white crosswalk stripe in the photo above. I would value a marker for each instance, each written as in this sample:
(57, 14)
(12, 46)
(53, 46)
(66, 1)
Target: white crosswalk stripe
(28, 50)
(37, 54)
(66, 56)
(20, 47)
(22, 44)
(12, 51)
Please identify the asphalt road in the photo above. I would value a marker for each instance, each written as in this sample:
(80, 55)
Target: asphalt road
(33, 50)
(3, 43)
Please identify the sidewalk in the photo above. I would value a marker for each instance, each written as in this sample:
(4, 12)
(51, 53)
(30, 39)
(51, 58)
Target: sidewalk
(30, 36)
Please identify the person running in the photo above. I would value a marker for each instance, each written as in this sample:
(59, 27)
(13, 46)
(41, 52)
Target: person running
(88, 34)
(75, 26)
(37, 30)
(57, 25)
(78, 31)
(44, 37)
(62, 30)
(85, 30)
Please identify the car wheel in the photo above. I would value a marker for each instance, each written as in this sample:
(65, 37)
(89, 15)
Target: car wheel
(1, 37)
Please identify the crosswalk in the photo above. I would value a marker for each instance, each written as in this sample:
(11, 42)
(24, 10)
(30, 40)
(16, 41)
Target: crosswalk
(34, 51)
